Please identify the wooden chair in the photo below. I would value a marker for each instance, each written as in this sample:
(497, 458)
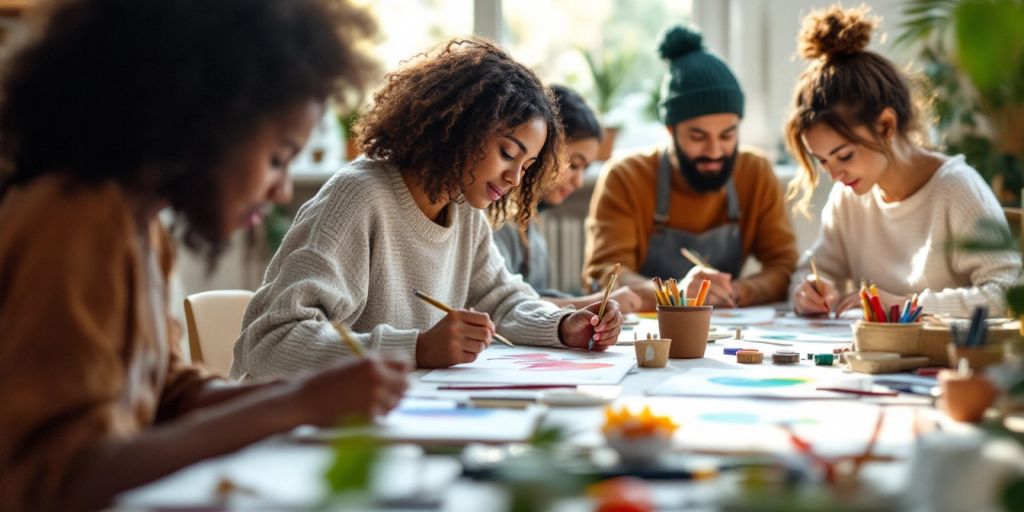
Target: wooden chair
(214, 321)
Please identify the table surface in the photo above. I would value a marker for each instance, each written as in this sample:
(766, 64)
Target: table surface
(279, 473)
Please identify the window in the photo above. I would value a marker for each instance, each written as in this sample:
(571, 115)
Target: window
(551, 37)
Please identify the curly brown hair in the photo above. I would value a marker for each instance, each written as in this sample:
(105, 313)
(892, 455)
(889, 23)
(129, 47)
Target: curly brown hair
(845, 86)
(435, 115)
(108, 88)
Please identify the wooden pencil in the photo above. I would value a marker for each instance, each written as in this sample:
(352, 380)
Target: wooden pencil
(347, 339)
(694, 258)
(448, 309)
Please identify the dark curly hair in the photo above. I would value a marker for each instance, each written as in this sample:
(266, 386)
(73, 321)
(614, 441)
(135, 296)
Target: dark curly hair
(434, 116)
(108, 88)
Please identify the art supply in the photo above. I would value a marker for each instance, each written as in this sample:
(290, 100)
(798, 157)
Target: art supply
(731, 351)
(785, 357)
(749, 357)
(346, 337)
(824, 359)
(702, 294)
(604, 301)
(858, 392)
(652, 353)
(819, 286)
(739, 333)
(500, 365)
(695, 259)
(448, 309)
(476, 387)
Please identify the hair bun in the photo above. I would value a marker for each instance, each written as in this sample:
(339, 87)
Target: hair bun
(836, 31)
(679, 41)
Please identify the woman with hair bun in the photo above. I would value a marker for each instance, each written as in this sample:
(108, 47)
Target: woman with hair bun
(895, 204)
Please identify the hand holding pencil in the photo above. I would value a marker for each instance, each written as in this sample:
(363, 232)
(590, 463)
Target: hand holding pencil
(722, 292)
(597, 326)
(457, 338)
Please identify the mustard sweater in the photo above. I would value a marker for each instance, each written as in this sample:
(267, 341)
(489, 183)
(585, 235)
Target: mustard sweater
(622, 217)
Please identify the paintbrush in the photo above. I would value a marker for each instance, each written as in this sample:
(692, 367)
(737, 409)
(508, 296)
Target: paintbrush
(694, 258)
(448, 309)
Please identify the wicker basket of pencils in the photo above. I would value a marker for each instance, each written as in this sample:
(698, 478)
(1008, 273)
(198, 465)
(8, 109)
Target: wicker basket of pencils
(901, 338)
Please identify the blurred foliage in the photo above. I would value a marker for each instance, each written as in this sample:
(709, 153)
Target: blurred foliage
(972, 53)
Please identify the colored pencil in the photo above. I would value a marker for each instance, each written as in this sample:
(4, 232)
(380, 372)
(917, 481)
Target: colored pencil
(858, 392)
(702, 295)
(448, 309)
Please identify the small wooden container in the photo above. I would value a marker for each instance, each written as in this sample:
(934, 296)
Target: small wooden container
(978, 358)
(687, 327)
(652, 353)
(903, 339)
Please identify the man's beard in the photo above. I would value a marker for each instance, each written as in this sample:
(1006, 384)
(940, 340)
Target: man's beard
(705, 182)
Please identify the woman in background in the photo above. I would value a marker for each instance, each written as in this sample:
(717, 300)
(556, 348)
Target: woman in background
(524, 248)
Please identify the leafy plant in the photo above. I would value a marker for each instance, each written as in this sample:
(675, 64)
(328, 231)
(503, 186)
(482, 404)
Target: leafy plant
(609, 71)
(973, 57)
(348, 476)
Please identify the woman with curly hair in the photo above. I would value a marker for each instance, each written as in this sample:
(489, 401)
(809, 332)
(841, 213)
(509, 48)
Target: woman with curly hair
(114, 110)
(452, 132)
(895, 204)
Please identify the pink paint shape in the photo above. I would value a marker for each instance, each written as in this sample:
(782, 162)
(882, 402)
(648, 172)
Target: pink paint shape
(542, 362)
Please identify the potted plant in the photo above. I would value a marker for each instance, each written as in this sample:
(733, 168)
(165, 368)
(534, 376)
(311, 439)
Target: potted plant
(608, 72)
(973, 55)
(348, 124)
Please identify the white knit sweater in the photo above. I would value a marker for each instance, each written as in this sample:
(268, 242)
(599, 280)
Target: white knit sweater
(356, 252)
(902, 246)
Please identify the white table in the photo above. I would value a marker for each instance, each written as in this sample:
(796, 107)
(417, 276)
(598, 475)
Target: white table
(287, 475)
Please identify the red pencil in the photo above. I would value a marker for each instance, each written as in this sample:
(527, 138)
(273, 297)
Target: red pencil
(859, 392)
(876, 306)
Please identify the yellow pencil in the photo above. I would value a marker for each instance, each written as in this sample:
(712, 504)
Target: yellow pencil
(448, 309)
(347, 338)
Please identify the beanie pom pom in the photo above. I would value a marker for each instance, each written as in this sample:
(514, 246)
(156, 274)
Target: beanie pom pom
(679, 41)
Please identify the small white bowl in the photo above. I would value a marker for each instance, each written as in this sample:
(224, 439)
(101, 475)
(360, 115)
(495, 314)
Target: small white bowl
(639, 450)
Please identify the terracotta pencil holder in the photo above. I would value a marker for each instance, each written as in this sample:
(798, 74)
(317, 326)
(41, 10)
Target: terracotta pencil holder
(978, 358)
(652, 353)
(903, 339)
(687, 327)
(965, 398)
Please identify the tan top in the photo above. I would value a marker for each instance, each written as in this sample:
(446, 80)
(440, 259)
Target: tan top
(87, 350)
(622, 217)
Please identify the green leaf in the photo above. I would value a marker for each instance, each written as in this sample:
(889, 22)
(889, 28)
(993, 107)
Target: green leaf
(1013, 495)
(990, 235)
(350, 471)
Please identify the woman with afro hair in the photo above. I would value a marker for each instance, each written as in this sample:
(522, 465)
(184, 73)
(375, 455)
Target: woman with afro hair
(452, 132)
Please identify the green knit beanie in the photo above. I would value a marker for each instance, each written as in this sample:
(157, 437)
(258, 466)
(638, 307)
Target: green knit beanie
(698, 83)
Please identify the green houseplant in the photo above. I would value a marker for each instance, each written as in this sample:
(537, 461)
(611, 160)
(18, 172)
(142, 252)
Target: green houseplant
(972, 53)
(608, 71)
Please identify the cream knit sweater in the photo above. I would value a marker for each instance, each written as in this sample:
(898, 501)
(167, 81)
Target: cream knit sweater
(356, 252)
(902, 246)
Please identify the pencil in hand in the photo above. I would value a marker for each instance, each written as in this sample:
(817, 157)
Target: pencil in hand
(695, 259)
(604, 301)
(818, 285)
(448, 309)
(347, 339)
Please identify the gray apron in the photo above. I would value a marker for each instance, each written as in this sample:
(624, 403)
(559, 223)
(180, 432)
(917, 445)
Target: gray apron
(721, 246)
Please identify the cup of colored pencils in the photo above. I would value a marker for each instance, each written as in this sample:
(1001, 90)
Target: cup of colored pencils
(683, 320)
